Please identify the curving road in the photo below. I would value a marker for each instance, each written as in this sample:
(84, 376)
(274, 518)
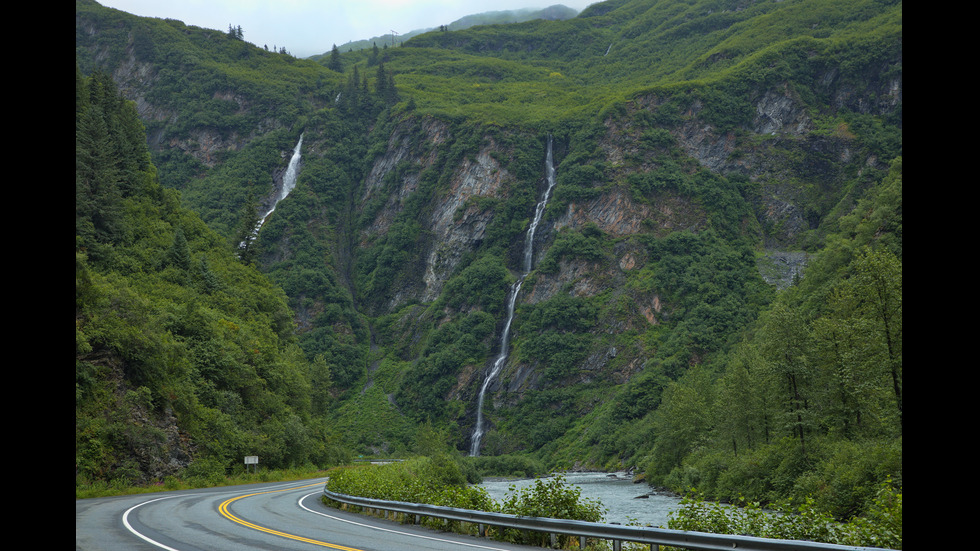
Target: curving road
(275, 516)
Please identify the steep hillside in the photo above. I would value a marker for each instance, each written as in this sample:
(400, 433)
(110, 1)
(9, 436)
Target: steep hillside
(719, 166)
(185, 359)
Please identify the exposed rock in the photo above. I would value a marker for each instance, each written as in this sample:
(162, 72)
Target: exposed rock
(458, 225)
(781, 268)
(618, 215)
(779, 112)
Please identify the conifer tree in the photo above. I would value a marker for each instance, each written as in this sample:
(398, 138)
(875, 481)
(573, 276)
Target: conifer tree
(381, 83)
(334, 64)
(245, 236)
(209, 280)
(96, 164)
(179, 254)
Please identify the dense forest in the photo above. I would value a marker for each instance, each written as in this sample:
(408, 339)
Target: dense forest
(716, 296)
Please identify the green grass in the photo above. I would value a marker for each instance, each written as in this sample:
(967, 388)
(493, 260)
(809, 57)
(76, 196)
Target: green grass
(101, 488)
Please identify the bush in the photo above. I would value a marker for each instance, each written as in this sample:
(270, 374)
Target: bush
(205, 472)
(881, 527)
(508, 465)
(441, 481)
(549, 498)
(420, 480)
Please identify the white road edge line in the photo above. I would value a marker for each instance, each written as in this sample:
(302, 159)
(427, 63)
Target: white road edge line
(125, 519)
(454, 542)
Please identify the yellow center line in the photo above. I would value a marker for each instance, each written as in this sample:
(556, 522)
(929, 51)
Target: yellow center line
(223, 508)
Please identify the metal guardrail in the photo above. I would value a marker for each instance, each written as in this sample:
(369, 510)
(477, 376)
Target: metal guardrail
(617, 533)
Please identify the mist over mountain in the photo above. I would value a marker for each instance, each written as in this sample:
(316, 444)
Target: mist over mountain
(556, 12)
(714, 296)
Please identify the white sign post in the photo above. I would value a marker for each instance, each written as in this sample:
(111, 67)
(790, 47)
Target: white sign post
(252, 460)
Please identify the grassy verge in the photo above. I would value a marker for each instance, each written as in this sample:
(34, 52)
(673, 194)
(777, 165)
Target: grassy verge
(102, 488)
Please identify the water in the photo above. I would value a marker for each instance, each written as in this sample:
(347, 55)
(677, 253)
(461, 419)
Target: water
(288, 179)
(615, 491)
(498, 364)
(288, 184)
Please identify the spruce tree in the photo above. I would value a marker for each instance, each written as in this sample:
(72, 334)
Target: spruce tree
(334, 64)
(245, 236)
(179, 254)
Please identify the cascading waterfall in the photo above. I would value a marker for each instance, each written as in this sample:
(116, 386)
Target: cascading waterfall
(288, 180)
(498, 364)
(288, 183)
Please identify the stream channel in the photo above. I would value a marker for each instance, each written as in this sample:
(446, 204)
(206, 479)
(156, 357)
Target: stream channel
(616, 492)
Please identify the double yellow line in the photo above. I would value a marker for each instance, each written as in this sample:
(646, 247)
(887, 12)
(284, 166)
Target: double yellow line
(223, 509)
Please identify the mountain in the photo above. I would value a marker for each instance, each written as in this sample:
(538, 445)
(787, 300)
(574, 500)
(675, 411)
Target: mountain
(557, 12)
(715, 293)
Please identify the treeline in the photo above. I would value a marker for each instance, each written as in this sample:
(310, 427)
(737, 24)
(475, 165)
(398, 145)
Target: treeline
(809, 403)
(185, 359)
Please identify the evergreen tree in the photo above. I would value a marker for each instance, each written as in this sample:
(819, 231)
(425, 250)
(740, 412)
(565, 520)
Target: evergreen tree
(245, 236)
(384, 86)
(334, 63)
(209, 280)
(381, 82)
(179, 255)
(97, 185)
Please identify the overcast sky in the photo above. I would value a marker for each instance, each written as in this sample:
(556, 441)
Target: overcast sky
(310, 27)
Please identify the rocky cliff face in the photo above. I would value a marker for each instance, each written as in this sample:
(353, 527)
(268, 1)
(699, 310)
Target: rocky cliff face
(780, 153)
(453, 224)
(458, 224)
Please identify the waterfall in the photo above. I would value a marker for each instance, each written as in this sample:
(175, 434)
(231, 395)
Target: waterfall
(288, 183)
(288, 180)
(498, 364)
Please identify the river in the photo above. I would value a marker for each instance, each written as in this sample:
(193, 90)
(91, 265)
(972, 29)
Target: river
(616, 491)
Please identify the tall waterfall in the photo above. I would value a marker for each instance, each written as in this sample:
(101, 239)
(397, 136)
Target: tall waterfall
(288, 183)
(498, 364)
(288, 179)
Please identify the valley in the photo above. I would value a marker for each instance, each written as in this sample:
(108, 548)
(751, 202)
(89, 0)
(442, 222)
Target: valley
(659, 236)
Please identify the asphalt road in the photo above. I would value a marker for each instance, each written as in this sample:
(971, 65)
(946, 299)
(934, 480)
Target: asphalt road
(274, 516)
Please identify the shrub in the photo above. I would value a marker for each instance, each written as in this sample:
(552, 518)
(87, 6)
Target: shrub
(881, 527)
(440, 481)
(549, 498)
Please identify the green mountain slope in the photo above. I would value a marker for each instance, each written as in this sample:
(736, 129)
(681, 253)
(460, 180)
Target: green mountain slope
(556, 12)
(715, 299)
(185, 359)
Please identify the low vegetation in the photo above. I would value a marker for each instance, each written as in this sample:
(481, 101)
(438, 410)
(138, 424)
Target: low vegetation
(441, 480)
(880, 527)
